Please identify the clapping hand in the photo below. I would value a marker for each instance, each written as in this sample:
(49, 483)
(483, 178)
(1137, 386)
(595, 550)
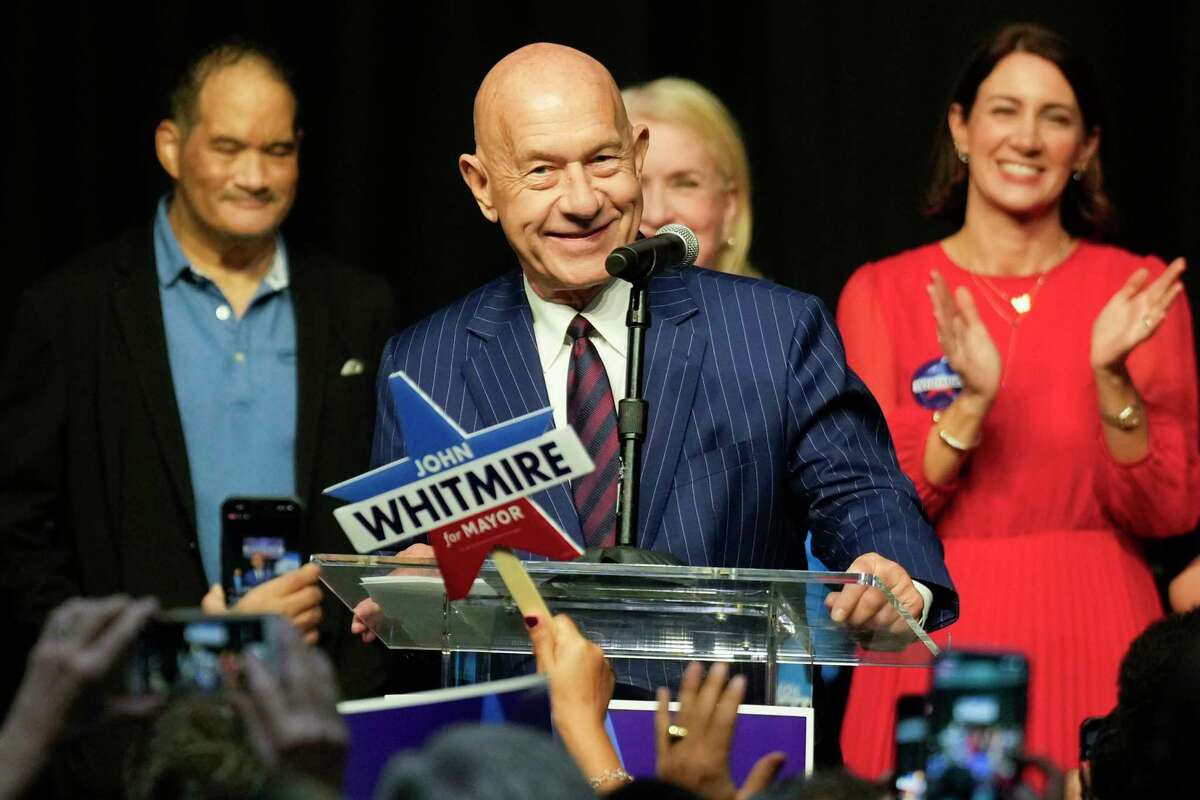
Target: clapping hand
(1132, 315)
(965, 340)
(693, 749)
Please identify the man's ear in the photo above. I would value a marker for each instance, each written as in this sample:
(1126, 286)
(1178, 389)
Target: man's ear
(475, 175)
(641, 142)
(168, 142)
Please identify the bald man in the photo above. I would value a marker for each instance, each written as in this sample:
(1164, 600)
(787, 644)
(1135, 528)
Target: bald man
(757, 432)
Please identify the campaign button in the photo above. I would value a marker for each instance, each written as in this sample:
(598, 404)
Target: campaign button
(935, 384)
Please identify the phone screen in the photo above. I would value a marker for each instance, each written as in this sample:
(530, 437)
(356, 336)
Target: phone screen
(260, 539)
(187, 652)
(977, 724)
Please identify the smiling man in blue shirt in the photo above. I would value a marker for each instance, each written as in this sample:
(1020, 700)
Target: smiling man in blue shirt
(193, 359)
(222, 266)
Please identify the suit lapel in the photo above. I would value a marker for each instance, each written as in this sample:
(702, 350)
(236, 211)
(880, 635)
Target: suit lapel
(312, 345)
(139, 314)
(674, 355)
(504, 377)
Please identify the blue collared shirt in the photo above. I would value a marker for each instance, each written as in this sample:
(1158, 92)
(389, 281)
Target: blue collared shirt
(235, 384)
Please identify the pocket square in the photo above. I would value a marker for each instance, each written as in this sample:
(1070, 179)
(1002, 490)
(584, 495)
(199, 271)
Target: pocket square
(353, 366)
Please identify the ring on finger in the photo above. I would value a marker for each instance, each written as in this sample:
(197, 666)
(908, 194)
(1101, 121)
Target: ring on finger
(1146, 321)
(676, 732)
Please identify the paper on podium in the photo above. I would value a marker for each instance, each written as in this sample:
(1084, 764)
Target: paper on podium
(394, 593)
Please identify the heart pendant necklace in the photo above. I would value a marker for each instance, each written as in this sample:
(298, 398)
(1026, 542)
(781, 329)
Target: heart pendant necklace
(1020, 303)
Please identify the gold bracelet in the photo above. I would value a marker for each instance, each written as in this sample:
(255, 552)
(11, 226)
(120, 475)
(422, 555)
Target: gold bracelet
(956, 443)
(1127, 419)
(617, 774)
(953, 441)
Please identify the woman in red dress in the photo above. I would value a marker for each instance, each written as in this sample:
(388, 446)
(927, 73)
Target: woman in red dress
(1041, 391)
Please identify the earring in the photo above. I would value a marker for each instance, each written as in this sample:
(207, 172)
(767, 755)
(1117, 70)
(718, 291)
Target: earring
(963, 157)
(730, 242)
(1078, 173)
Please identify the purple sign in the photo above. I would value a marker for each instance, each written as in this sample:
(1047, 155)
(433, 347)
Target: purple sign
(382, 727)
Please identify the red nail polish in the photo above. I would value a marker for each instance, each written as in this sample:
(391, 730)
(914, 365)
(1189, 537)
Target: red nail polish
(531, 622)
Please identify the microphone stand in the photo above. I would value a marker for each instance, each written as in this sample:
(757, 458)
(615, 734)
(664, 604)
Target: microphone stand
(632, 415)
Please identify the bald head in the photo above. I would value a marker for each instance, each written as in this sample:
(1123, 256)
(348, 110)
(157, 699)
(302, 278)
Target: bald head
(541, 78)
(557, 164)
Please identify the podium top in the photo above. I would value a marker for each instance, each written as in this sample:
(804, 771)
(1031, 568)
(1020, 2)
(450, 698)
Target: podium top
(631, 610)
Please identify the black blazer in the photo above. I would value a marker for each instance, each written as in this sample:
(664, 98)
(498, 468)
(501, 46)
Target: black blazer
(95, 489)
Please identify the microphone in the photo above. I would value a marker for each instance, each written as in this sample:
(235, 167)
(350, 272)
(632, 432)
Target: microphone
(672, 245)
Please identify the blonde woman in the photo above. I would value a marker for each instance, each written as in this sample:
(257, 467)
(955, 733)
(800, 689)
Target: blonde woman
(696, 172)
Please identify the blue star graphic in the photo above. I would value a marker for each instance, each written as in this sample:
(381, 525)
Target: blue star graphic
(427, 430)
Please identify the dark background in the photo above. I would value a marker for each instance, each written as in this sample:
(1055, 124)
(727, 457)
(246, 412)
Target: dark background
(838, 102)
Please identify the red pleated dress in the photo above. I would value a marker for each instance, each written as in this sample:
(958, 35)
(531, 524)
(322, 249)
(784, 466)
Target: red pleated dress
(1039, 525)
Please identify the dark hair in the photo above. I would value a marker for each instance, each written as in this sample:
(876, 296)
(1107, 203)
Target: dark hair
(185, 94)
(1086, 209)
(484, 762)
(197, 748)
(1147, 747)
(826, 785)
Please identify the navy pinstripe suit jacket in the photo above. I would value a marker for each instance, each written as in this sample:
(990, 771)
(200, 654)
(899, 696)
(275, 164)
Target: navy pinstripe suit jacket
(758, 431)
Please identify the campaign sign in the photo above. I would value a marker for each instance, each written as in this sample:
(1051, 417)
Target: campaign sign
(383, 726)
(470, 492)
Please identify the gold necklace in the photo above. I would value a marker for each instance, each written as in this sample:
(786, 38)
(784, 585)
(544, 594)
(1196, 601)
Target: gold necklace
(1021, 303)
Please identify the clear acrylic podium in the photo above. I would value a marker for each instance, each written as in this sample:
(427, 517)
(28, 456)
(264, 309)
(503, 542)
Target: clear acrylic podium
(674, 613)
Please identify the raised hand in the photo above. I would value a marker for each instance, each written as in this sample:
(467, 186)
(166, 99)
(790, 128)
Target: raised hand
(581, 681)
(1132, 315)
(78, 647)
(292, 718)
(965, 340)
(696, 757)
(581, 686)
(294, 595)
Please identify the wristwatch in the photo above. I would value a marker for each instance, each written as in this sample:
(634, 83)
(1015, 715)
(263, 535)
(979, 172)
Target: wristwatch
(1127, 419)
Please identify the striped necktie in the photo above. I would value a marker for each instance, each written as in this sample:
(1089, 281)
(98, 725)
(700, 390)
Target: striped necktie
(592, 413)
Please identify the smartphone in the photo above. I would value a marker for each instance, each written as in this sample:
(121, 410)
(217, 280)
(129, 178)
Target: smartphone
(977, 714)
(911, 738)
(260, 540)
(186, 651)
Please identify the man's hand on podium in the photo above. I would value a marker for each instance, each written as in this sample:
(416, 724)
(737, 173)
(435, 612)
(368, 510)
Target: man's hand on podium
(367, 614)
(294, 595)
(866, 609)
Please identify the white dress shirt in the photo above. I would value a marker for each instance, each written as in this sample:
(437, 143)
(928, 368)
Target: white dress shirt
(606, 312)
